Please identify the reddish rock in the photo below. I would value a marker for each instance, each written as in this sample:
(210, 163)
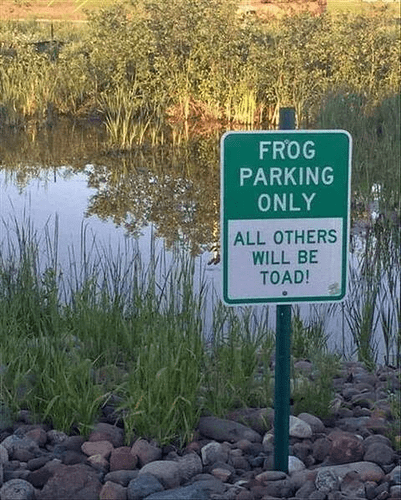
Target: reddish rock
(113, 491)
(344, 447)
(72, 482)
(103, 448)
(245, 495)
(38, 435)
(122, 459)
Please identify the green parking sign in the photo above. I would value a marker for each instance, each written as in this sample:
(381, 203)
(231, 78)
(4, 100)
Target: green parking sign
(285, 198)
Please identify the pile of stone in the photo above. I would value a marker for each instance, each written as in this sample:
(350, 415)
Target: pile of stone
(347, 456)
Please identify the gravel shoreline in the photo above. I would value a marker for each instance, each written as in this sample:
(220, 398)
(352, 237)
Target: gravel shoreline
(346, 456)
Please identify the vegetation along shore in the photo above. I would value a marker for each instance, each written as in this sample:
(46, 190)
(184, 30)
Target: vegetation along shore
(105, 367)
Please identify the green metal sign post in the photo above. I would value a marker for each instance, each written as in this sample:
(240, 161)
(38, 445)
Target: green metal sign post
(285, 199)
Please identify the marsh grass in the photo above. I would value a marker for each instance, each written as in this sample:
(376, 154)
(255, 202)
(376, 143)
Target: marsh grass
(108, 326)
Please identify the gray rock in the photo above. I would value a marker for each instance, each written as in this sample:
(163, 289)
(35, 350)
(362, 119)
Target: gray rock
(145, 452)
(3, 455)
(56, 437)
(327, 480)
(166, 471)
(380, 454)
(259, 419)
(367, 471)
(395, 475)
(395, 491)
(21, 446)
(226, 430)
(376, 438)
(352, 424)
(142, 486)
(279, 489)
(213, 452)
(314, 422)
(352, 487)
(305, 490)
(17, 489)
(299, 428)
(107, 432)
(295, 464)
(320, 449)
(192, 492)
(190, 465)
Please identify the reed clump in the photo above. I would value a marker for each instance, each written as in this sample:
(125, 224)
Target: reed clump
(193, 61)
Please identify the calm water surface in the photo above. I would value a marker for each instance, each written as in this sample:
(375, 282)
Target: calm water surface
(164, 195)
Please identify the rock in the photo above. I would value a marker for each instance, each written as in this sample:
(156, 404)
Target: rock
(122, 459)
(352, 486)
(395, 475)
(166, 471)
(122, 477)
(191, 492)
(222, 473)
(299, 428)
(16, 445)
(99, 463)
(37, 463)
(301, 450)
(56, 437)
(380, 454)
(190, 465)
(280, 489)
(103, 448)
(268, 440)
(320, 449)
(395, 492)
(145, 452)
(376, 438)
(107, 432)
(327, 480)
(305, 490)
(271, 475)
(314, 422)
(370, 490)
(3, 455)
(368, 471)
(295, 464)
(142, 486)
(345, 448)
(259, 419)
(214, 452)
(17, 489)
(113, 491)
(72, 482)
(38, 435)
(352, 424)
(226, 430)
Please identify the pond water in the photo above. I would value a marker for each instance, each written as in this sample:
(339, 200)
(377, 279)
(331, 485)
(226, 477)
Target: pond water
(64, 176)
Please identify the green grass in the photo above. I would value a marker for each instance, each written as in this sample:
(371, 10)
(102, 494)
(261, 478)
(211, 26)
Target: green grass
(109, 327)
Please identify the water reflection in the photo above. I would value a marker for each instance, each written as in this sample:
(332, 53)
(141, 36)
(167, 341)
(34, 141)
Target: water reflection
(174, 188)
(170, 192)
